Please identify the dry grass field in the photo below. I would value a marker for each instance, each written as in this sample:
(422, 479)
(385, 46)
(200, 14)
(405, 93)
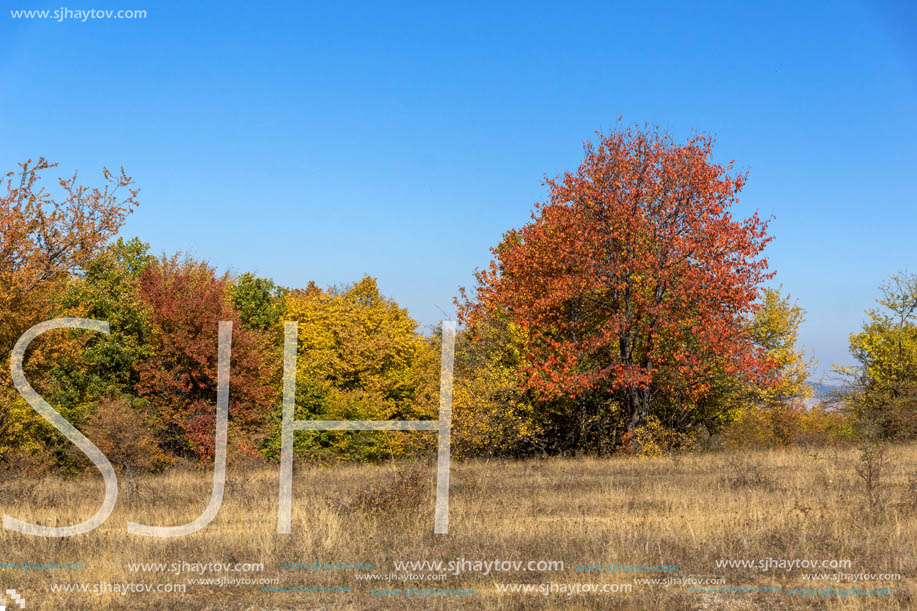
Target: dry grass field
(689, 511)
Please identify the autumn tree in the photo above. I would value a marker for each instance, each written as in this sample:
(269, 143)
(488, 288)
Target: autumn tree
(187, 301)
(633, 278)
(883, 383)
(359, 357)
(492, 415)
(74, 369)
(775, 328)
(44, 239)
(772, 414)
(118, 429)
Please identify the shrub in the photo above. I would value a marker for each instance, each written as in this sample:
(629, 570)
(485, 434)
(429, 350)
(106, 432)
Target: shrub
(127, 437)
(744, 473)
(655, 439)
(404, 493)
(785, 424)
(872, 468)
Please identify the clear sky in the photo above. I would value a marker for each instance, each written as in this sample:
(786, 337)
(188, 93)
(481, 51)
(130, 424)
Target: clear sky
(322, 141)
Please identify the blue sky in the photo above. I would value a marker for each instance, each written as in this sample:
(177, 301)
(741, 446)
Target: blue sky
(308, 141)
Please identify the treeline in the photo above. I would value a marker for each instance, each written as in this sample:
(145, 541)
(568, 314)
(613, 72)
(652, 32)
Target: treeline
(631, 314)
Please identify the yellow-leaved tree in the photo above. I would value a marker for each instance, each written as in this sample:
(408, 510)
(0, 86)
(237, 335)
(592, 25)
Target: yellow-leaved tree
(774, 413)
(492, 414)
(359, 357)
(882, 393)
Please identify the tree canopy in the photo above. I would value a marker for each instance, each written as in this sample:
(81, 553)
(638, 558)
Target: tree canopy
(634, 279)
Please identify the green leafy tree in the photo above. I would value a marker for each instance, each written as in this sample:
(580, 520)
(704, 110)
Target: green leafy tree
(105, 365)
(76, 369)
(258, 301)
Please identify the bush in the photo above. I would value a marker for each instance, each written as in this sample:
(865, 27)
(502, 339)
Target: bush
(744, 473)
(872, 468)
(785, 424)
(655, 439)
(404, 493)
(126, 436)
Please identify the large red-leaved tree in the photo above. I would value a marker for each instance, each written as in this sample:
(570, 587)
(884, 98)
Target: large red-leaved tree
(187, 301)
(633, 279)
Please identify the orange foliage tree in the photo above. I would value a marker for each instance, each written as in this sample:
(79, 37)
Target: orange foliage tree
(44, 239)
(180, 379)
(633, 280)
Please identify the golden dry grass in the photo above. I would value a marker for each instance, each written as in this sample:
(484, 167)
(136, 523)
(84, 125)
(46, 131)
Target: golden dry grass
(689, 511)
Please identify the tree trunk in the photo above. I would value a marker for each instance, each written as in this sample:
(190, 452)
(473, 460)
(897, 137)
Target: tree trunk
(637, 404)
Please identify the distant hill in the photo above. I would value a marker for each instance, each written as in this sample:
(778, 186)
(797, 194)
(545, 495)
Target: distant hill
(823, 390)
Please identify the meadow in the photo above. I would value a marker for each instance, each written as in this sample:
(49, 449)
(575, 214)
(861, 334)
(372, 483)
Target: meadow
(688, 510)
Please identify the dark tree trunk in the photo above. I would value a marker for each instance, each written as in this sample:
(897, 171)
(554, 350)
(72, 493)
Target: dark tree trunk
(637, 404)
